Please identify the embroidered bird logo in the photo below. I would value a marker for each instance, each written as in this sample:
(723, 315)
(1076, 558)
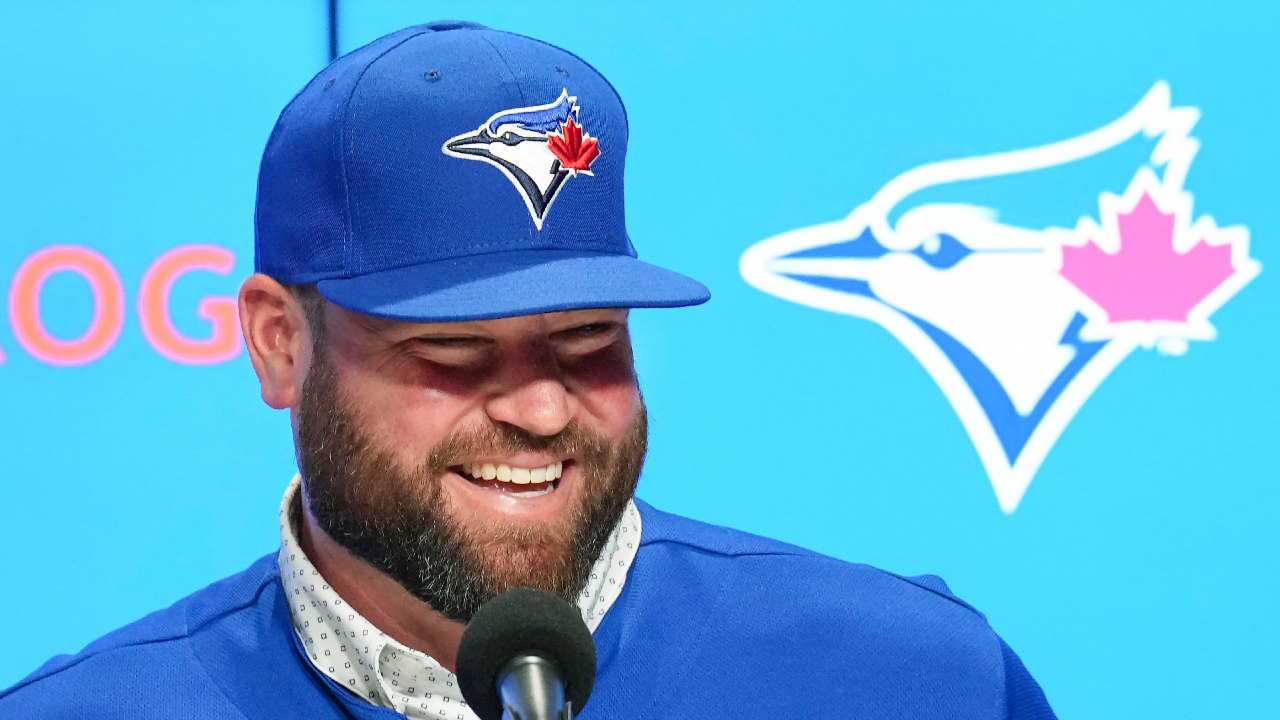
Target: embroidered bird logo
(538, 148)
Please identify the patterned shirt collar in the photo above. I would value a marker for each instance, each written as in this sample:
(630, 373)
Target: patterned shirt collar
(358, 656)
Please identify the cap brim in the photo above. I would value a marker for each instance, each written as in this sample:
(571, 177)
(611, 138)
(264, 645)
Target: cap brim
(522, 282)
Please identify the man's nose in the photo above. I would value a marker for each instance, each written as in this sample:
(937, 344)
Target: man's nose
(533, 396)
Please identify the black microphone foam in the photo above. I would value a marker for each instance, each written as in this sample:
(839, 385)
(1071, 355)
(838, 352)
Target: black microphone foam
(517, 622)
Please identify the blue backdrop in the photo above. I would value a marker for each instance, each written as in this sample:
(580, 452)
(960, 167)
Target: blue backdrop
(1138, 574)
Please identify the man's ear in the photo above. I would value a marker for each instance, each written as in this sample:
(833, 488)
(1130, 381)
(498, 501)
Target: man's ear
(277, 337)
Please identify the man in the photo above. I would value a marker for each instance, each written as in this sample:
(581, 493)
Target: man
(441, 304)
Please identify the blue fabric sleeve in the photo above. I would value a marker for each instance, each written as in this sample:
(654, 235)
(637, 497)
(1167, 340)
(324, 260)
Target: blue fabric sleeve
(1023, 698)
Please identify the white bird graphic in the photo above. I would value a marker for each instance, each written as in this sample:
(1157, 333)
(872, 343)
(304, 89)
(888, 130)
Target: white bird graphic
(1015, 346)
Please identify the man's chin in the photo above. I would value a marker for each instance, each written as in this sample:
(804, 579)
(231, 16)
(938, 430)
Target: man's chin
(545, 566)
(521, 541)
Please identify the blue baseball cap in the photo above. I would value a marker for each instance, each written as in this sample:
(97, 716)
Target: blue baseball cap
(450, 172)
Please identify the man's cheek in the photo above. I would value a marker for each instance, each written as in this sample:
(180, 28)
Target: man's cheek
(613, 378)
(408, 423)
(612, 410)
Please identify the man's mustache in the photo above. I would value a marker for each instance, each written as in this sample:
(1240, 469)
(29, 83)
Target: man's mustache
(501, 438)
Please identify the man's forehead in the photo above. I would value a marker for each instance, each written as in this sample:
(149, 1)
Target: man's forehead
(548, 321)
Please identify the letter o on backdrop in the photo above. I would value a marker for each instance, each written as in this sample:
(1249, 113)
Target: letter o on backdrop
(153, 307)
(108, 305)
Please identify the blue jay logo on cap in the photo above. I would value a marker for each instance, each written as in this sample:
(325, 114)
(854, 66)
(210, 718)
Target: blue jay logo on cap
(538, 148)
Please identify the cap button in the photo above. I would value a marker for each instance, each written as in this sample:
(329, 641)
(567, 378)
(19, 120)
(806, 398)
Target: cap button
(442, 25)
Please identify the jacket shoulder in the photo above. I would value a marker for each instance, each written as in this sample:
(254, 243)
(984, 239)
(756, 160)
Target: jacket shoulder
(729, 608)
(154, 646)
(665, 528)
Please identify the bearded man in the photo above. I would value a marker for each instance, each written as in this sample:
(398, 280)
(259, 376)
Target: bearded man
(441, 303)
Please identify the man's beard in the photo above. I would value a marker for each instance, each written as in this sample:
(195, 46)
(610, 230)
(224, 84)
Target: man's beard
(397, 519)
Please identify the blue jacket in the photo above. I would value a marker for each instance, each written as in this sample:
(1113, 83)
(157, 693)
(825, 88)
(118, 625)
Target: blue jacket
(712, 623)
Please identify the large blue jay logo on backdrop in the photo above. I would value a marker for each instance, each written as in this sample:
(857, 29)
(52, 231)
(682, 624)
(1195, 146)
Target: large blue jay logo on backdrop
(538, 148)
(1019, 314)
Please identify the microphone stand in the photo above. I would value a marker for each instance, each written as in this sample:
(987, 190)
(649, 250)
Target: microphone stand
(531, 688)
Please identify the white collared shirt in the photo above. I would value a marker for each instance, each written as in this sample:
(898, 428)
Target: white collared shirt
(372, 665)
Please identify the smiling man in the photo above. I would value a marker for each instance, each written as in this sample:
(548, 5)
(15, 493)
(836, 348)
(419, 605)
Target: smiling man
(444, 277)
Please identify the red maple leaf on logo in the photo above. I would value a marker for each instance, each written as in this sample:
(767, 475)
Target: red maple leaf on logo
(575, 153)
(1147, 279)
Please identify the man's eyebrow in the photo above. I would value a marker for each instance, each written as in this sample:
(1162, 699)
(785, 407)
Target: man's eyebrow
(603, 323)
(459, 335)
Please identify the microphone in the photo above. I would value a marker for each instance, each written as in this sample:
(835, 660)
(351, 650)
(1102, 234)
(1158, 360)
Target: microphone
(526, 655)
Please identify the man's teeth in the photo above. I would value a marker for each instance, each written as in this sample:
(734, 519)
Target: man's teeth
(517, 475)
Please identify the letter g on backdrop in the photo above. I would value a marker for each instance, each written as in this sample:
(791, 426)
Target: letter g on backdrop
(108, 315)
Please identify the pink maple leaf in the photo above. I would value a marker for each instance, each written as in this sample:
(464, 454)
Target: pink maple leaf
(1147, 279)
